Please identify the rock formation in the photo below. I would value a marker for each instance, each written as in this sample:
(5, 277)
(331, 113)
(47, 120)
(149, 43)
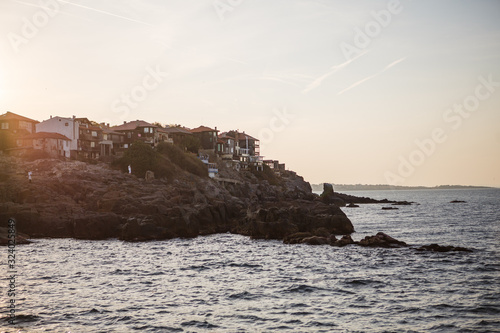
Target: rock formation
(94, 201)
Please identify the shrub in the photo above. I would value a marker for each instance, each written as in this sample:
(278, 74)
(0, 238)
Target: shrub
(141, 157)
(185, 161)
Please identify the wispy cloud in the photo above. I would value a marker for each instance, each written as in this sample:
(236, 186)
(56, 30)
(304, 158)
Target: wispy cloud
(318, 81)
(105, 12)
(371, 76)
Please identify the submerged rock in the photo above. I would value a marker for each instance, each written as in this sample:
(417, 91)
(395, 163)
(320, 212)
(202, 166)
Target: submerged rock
(439, 248)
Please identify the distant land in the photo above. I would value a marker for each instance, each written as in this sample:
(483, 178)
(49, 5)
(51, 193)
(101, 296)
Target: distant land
(378, 187)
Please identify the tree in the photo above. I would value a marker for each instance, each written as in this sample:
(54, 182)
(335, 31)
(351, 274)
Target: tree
(191, 143)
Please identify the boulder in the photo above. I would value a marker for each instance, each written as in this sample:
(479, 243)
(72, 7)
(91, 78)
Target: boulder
(381, 240)
(345, 240)
(315, 240)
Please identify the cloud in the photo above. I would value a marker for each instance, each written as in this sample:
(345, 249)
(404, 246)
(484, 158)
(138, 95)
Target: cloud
(371, 76)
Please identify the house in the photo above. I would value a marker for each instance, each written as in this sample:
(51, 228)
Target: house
(54, 144)
(207, 137)
(177, 134)
(275, 165)
(87, 139)
(138, 130)
(112, 143)
(226, 146)
(69, 127)
(246, 147)
(164, 136)
(13, 126)
(90, 140)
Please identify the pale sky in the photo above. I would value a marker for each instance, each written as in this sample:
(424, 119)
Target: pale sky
(373, 92)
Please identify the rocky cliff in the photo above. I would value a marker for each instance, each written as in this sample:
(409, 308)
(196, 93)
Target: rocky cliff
(94, 201)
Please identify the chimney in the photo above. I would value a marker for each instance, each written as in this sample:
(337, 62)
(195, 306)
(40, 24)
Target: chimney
(50, 116)
(124, 122)
(74, 117)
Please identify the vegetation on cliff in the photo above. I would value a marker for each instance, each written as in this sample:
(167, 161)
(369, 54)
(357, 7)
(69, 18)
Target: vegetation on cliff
(166, 161)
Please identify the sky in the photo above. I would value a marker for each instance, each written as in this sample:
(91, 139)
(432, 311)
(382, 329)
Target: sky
(349, 92)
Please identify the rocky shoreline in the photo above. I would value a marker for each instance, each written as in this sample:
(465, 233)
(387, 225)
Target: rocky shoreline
(73, 199)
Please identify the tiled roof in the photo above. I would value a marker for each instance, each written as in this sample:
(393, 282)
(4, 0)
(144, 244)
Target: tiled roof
(110, 131)
(132, 125)
(202, 129)
(45, 135)
(176, 130)
(12, 116)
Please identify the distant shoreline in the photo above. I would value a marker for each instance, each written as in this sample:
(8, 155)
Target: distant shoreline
(364, 187)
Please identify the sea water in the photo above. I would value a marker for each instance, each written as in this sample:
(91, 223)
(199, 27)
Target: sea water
(230, 283)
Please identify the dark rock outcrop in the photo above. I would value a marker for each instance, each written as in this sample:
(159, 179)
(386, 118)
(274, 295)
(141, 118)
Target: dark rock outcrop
(94, 201)
(381, 240)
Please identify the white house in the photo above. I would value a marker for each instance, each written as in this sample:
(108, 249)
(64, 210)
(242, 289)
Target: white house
(69, 127)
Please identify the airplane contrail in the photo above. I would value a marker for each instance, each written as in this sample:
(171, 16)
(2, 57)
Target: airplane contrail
(371, 76)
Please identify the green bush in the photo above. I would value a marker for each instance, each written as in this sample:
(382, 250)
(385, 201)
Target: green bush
(185, 161)
(166, 161)
(141, 157)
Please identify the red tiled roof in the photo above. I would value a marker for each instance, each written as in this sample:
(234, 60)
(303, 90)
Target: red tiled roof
(132, 125)
(202, 129)
(46, 135)
(12, 116)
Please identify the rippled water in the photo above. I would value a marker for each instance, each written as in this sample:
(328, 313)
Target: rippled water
(229, 283)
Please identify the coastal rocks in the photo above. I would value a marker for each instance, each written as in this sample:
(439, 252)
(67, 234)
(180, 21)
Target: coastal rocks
(457, 201)
(389, 208)
(279, 220)
(439, 248)
(352, 205)
(20, 238)
(345, 240)
(96, 227)
(381, 240)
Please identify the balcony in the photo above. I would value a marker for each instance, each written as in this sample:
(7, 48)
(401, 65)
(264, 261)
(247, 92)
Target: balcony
(244, 151)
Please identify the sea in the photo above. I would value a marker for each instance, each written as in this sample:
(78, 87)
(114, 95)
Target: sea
(231, 283)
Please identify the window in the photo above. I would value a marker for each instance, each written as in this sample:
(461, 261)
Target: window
(92, 144)
(5, 125)
(125, 145)
(104, 136)
(129, 135)
(94, 133)
(81, 132)
(66, 124)
(146, 129)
